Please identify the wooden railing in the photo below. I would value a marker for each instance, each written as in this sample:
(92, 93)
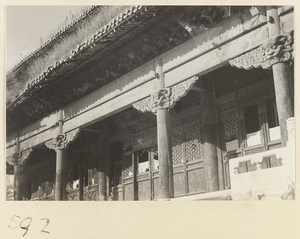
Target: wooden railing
(266, 182)
(44, 192)
(90, 192)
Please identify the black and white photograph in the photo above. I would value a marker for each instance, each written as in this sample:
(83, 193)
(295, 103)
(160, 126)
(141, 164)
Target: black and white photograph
(171, 103)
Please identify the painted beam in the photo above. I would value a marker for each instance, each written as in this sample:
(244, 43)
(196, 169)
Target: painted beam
(111, 107)
(217, 57)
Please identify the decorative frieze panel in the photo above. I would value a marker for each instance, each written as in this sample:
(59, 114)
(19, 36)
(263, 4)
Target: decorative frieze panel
(62, 141)
(254, 151)
(18, 158)
(275, 50)
(14, 159)
(180, 90)
(165, 98)
(143, 105)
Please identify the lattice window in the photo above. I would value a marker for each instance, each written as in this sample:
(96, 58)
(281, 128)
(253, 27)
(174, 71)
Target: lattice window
(177, 146)
(127, 166)
(43, 183)
(94, 176)
(230, 121)
(46, 189)
(35, 194)
(193, 143)
(145, 139)
(127, 144)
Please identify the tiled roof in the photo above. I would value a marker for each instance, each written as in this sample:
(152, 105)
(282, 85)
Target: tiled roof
(99, 40)
(65, 30)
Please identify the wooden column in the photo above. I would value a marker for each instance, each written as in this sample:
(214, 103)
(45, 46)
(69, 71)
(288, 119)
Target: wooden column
(60, 144)
(18, 161)
(90, 175)
(134, 160)
(208, 137)
(282, 79)
(166, 187)
(61, 158)
(60, 180)
(81, 174)
(102, 185)
(17, 183)
(103, 166)
(109, 174)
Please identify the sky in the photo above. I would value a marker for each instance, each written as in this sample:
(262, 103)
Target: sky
(27, 25)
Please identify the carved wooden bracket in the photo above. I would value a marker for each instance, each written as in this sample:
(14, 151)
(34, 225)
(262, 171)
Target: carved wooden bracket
(62, 141)
(18, 158)
(165, 98)
(275, 50)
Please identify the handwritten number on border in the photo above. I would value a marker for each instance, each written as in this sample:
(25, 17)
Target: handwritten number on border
(14, 222)
(47, 223)
(27, 225)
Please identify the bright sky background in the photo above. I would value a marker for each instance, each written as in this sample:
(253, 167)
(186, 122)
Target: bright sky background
(26, 25)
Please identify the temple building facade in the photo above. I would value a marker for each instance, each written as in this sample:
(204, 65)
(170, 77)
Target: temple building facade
(156, 103)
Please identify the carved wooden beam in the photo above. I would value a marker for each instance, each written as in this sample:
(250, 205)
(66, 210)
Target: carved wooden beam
(62, 141)
(165, 98)
(274, 50)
